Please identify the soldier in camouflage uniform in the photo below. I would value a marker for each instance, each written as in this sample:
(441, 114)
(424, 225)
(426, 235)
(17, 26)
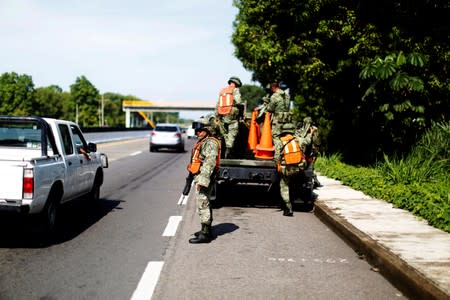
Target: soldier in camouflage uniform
(204, 164)
(230, 118)
(278, 106)
(309, 132)
(287, 169)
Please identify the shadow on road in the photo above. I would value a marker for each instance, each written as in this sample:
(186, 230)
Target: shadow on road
(74, 218)
(223, 228)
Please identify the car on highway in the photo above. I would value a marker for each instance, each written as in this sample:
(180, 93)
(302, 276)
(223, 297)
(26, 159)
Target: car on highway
(167, 136)
(190, 132)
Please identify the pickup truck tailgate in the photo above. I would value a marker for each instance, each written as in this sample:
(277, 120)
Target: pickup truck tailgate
(11, 181)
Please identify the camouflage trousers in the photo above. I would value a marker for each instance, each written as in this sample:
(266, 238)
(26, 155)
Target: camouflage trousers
(231, 131)
(284, 190)
(203, 205)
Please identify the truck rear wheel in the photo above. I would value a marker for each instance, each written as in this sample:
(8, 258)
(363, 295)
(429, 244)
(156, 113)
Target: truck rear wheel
(50, 215)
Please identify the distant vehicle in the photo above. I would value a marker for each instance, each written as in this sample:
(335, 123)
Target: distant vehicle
(168, 136)
(190, 133)
(45, 163)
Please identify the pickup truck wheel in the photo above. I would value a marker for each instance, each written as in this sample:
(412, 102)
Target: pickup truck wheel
(49, 216)
(94, 194)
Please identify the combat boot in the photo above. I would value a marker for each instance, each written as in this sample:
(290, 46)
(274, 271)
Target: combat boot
(198, 232)
(288, 212)
(204, 235)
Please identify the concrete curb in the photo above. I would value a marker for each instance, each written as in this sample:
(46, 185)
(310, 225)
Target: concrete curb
(406, 278)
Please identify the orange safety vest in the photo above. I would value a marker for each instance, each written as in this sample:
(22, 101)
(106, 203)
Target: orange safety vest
(226, 100)
(292, 154)
(196, 159)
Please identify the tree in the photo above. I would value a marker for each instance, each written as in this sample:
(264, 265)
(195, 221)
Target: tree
(48, 102)
(252, 94)
(353, 66)
(16, 94)
(86, 98)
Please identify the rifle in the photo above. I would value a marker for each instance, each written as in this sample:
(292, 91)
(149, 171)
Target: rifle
(186, 189)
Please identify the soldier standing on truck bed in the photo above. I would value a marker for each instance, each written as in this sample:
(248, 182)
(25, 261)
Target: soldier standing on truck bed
(278, 106)
(204, 164)
(290, 160)
(227, 111)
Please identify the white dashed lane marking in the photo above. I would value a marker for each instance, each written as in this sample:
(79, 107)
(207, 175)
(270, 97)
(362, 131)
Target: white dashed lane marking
(148, 281)
(135, 153)
(172, 226)
(150, 278)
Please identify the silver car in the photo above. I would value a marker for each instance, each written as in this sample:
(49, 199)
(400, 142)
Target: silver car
(168, 136)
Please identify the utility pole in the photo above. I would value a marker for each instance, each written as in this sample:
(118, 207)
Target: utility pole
(103, 112)
(76, 112)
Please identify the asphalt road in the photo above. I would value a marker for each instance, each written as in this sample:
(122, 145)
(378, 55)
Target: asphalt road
(104, 251)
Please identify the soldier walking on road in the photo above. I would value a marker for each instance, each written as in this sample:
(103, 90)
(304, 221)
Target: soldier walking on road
(204, 164)
(227, 111)
(290, 161)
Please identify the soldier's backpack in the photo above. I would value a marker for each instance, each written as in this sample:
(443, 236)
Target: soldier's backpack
(226, 101)
(292, 153)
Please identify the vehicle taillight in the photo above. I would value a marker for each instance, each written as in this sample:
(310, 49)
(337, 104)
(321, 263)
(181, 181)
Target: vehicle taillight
(28, 183)
(153, 133)
(178, 134)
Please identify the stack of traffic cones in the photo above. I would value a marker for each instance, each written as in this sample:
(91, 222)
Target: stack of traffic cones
(265, 148)
(253, 134)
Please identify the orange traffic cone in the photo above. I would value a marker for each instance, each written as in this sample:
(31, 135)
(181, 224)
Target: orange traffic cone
(253, 135)
(265, 148)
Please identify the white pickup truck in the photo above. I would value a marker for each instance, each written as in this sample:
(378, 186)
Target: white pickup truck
(43, 164)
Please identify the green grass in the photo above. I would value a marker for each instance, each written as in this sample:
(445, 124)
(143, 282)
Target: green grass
(418, 182)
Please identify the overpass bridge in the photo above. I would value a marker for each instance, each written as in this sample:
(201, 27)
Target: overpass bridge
(138, 111)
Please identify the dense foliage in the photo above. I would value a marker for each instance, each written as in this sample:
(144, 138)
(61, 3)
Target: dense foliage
(373, 74)
(418, 182)
(18, 96)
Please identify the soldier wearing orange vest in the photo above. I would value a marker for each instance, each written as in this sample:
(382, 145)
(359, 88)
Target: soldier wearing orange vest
(227, 111)
(204, 163)
(290, 159)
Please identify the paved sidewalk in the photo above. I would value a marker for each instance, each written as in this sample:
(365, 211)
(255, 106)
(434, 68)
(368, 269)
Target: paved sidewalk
(414, 256)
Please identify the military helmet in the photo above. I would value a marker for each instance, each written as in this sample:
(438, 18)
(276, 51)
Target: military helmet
(236, 81)
(202, 124)
(288, 128)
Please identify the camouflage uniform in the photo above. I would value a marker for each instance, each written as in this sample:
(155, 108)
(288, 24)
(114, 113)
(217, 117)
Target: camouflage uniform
(278, 106)
(312, 147)
(287, 172)
(208, 153)
(230, 122)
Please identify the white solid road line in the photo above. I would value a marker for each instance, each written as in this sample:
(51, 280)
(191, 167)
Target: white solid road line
(172, 226)
(148, 281)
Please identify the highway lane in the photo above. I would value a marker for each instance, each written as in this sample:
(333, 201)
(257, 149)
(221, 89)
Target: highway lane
(260, 254)
(103, 250)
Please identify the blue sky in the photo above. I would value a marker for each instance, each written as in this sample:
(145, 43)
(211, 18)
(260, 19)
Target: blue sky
(173, 51)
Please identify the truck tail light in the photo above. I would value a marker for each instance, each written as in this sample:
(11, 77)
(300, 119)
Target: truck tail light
(28, 183)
